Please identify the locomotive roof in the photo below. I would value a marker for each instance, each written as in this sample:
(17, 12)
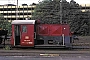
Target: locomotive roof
(23, 22)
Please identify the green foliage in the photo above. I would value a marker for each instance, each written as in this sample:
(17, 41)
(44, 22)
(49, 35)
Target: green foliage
(80, 23)
(4, 24)
(49, 11)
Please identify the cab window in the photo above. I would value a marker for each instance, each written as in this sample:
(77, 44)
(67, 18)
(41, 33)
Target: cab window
(24, 28)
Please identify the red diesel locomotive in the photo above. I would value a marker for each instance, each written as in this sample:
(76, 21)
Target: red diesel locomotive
(27, 33)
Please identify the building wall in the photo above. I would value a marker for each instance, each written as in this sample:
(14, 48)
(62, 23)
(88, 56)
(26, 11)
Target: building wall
(9, 12)
(86, 7)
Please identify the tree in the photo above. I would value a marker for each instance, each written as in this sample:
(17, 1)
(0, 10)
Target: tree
(4, 24)
(48, 11)
(78, 19)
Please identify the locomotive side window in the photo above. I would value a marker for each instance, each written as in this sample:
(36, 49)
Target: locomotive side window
(24, 28)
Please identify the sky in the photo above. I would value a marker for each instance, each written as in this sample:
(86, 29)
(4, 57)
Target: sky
(36, 1)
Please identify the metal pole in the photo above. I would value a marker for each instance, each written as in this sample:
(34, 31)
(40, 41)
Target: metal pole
(85, 7)
(63, 39)
(61, 11)
(17, 11)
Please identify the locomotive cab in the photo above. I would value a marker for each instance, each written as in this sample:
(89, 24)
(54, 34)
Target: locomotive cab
(23, 33)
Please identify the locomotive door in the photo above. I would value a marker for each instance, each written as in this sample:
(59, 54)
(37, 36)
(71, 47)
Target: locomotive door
(17, 34)
(27, 35)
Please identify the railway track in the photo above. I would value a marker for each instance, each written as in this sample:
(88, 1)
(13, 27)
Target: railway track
(82, 43)
(40, 52)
